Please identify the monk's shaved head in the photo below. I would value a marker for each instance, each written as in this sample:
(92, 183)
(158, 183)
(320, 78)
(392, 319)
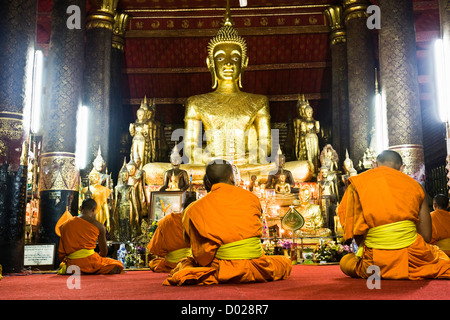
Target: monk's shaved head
(219, 171)
(390, 159)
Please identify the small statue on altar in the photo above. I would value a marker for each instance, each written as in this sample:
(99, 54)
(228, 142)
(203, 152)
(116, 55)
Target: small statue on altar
(274, 176)
(310, 128)
(314, 223)
(299, 137)
(100, 194)
(330, 159)
(139, 130)
(282, 187)
(157, 147)
(368, 159)
(348, 171)
(99, 165)
(124, 209)
(327, 192)
(175, 179)
(138, 194)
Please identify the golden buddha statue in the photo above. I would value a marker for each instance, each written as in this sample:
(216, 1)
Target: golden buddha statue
(100, 194)
(157, 150)
(314, 223)
(124, 210)
(310, 128)
(329, 159)
(236, 123)
(175, 179)
(99, 165)
(138, 198)
(274, 176)
(282, 187)
(299, 137)
(139, 130)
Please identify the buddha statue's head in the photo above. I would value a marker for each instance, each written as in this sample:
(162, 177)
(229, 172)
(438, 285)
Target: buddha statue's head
(282, 178)
(94, 178)
(123, 174)
(324, 172)
(304, 194)
(141, 114)
(98, 162)
(131, 167)
(227, 54)
(308, 111)
(348, 163)
(175, 158)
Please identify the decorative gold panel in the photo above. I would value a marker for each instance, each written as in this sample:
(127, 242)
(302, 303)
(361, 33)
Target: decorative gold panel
(58, 172)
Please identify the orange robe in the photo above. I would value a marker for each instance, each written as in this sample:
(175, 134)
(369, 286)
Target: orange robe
(225, 215)
(441, 227)
(78, 234)
(168, 237)
(382, 196)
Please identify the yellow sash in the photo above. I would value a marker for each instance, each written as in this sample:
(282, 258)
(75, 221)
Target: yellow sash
(177, 255)
(82, 253)
(243, 249)
(390, 236)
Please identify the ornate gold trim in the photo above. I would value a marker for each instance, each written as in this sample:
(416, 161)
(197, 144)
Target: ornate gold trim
(58, 172)
(119, 29)
(355, 9)
(11, 125)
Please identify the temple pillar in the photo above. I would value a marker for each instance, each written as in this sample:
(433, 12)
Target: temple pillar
(115, 158)
(399, 83)
(361, 79)
(59, 176)
(97, 78)
(17, 40)
(339, 80)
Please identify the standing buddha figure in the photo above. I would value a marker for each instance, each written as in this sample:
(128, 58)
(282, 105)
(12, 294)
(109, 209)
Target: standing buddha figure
(139, 130)
(235, 122)
(310, 128)
(299, 137)
(124, 209)
(100, 194)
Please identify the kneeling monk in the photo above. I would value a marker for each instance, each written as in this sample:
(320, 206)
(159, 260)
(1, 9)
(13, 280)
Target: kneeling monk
(79, 237)
(168, 244)
(224, 229)
(384, 210)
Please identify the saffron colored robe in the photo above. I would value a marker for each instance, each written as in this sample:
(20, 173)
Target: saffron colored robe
(168, 237)
(441, 229)
(226, 214)
(76, 234)
(382, 196)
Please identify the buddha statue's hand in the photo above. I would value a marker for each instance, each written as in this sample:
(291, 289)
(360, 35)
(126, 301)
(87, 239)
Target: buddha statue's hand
(132, 131)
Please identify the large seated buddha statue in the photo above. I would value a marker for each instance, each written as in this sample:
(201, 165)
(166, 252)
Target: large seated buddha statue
(229, 123)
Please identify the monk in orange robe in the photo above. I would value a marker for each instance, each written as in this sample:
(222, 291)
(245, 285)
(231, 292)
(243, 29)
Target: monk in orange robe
(78, 240)
(440, 221)
(384, 210)
(168, 243)
(224, 229)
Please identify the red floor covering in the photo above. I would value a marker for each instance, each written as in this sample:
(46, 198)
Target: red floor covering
(305, 283)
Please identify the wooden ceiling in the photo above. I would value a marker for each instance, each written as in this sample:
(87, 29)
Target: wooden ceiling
(287, 42)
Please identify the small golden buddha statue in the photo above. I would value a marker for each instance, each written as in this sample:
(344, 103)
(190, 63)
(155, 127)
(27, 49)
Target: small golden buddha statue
(99, 165)
(314, 223)
(282, 187)
(299, 137)
(274, 176)
(310, 128)
(139, 130)
(175, 179)
(235, 122)
(329, 159)
(100, 194)
(139, 198)
(124, 211)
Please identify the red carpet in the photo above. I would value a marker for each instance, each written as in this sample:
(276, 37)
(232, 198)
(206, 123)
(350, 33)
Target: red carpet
(305, 283)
